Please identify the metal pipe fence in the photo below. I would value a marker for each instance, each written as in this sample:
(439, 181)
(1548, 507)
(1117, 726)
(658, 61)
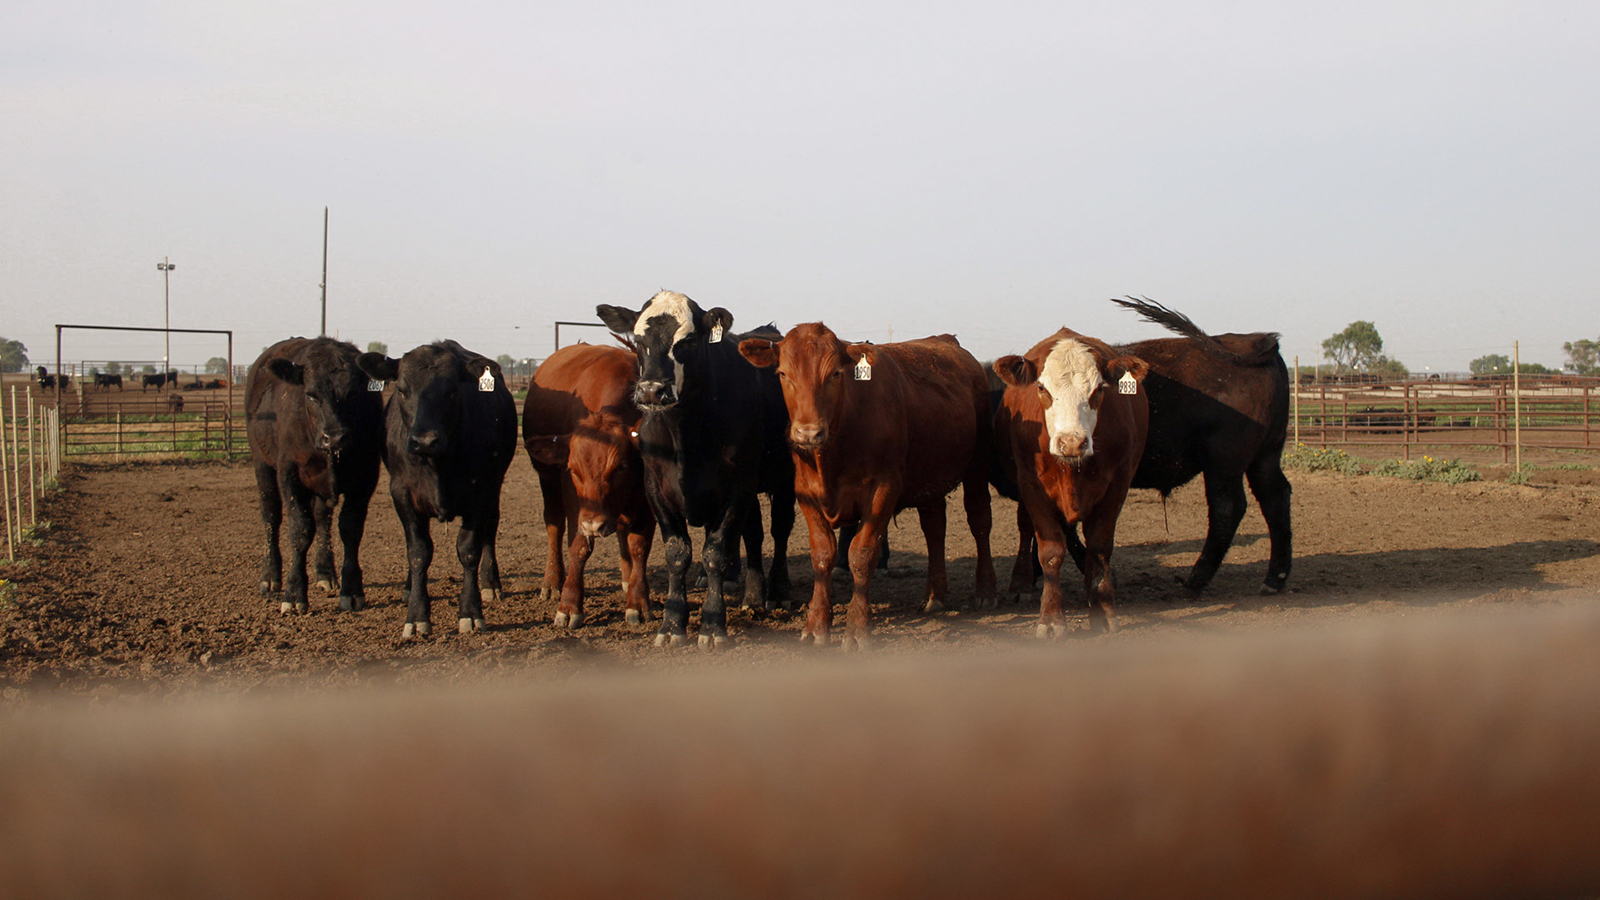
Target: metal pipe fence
(1559, 413)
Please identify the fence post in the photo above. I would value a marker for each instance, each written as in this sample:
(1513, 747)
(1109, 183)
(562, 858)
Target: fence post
(33, 480)
(119, 433)
(1296, 396)
(5, 479)
(16, 462)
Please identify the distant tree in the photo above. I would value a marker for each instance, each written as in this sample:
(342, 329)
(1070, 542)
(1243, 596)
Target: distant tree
(507, 364)
(113, 368)
(13, 355)
(1583, 357)
(148, 370)
(378, 347)
(1384, 367)
(1492, 364)
(1354, 349)
(216, 365)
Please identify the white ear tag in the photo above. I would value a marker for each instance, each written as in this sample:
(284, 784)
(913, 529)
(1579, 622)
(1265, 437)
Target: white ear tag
(1127, 384)
(716, 333)
(863, 370)
(486, 380)
(375, 386)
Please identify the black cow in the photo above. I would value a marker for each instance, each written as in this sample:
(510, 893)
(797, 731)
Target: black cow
(316, 432)
(712, 437)
(160, 380)
(106, 380)
(450, 432)
(1219, 406)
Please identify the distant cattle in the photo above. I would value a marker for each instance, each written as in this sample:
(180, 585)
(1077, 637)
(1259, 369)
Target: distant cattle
(875, 429)
(47, 381)
(580, 427)
(1074, 420)
(316, 434)
(106, 380)
(1219, 406)
(450, 433)
(159, 380)
(712, 439)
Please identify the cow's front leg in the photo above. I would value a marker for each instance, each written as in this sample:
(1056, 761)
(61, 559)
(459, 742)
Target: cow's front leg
(1052, 550)
(721, 551)
(272, 520)
(419, 557)
(470, 543)
(322, 512)
(634, 548)
(489, 564)
(352, 526)
(819, 615)
(569, 612)
(863, 559)
(302, 529)
(557, 520)
(674, 628)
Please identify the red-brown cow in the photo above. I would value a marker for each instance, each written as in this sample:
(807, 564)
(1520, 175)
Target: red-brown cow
(875, 429)
(1075, 419)
(580, 427)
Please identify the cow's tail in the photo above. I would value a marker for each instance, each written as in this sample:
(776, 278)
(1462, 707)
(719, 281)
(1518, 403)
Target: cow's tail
(1264, 346)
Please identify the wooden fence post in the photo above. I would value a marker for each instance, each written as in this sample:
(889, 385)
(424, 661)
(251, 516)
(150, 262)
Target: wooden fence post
(5, 480)
(33, 480)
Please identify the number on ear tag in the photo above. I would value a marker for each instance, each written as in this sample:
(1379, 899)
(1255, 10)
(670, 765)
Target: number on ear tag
(863, 370)
(486, 380)
(716, 333)
(1127, 384)
(375, 386)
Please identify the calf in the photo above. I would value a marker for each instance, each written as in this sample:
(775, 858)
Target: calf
(450, 433)
(580, 427)
(712, 438)
(875, 429)
(1219, 406)
(1074, 421)
(315, 433)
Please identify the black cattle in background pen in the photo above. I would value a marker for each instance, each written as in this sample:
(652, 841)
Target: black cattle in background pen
(712, 438)
(450, 433)
(1219, 407)
(316, 433)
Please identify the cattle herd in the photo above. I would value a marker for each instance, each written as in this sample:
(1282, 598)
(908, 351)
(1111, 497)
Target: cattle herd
(688, 424)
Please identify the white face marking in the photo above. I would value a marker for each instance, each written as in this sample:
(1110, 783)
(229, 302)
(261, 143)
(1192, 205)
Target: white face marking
(666, 303)
(1071, 376)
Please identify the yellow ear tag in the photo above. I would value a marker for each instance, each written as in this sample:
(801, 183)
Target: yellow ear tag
(486, 380)
(863, 370)
(1127, 384)
(375, 385)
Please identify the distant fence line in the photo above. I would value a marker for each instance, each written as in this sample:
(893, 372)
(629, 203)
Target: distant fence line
(1543, 413)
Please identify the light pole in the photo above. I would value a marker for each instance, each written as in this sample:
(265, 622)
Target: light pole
(166, 312)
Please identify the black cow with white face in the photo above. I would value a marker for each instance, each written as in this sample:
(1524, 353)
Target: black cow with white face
(316, 433)
(450, 433)
(712, 437)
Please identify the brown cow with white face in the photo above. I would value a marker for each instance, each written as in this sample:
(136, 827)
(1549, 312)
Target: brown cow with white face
(581, 429)
(1075, 418)
(875, 429)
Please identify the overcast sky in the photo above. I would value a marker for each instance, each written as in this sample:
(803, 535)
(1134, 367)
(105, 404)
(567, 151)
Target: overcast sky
(994, 170)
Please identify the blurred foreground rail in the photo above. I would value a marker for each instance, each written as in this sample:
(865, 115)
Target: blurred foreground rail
(1453, 760)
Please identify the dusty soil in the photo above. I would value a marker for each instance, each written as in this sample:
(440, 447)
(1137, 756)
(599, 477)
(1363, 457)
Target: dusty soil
(145, 584)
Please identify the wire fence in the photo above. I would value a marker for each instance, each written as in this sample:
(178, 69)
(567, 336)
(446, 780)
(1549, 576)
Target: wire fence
(30, 461)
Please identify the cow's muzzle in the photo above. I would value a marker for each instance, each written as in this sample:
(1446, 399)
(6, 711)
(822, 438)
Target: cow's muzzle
(428, 444)
(654, 395)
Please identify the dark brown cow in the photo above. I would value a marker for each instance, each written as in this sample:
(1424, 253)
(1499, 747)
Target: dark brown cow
(580, 427)
(1075, 420)
(875, 429)
(316, 434)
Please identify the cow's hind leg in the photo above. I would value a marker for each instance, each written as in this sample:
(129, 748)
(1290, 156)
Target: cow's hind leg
(779, 589)
(302, 530)
(1272, 491)
(933, 518)
(488, 562)
(980, 520)
(272, 518)
(755, 577)
(352, 526)
(720, 557)
(1225, 504)
(633, 546)
(322, 515)
(470, 550)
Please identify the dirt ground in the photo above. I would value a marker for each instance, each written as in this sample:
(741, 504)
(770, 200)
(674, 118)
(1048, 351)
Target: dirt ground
(145, 584)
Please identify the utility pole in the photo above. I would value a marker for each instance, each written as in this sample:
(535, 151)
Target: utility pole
(324, 331)
(166, 311)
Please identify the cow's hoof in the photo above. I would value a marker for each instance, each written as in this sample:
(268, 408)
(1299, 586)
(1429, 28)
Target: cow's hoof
(490, 594)
(932, 606)
(546, 593)
(986, 602)
(671, 640)
(856, 643)
(286, 607)
(327, 586)
(468, 626)
(633, 617)
(268, 588)
(1268, 589)
(1049, 632)
(568, 620)
(408, 631)
(352, 604)
(820, 638)
(418, 629)
(712, 643)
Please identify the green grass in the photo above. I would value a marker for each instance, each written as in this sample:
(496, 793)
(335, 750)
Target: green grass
(1428, 468)
(1321, 459)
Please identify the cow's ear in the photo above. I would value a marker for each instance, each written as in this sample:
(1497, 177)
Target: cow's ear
(760, 352)
(715, 317)
(474, 370)
(1016, 371)
(1132, 365)
(378, 366)
(288, 372)
(548, 449)
(617, 318)
(858, 352)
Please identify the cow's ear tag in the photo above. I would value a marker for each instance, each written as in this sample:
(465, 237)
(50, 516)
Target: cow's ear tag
(375, 385)
(716, 333)
(863, 370)
(486, 380)
(1127, 384)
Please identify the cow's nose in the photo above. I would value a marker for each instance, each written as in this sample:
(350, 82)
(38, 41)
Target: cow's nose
(656, 393)
(806, 435)
(1071, 447)
(593, 527)
(428, 444)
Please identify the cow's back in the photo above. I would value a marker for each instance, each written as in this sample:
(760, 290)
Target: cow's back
(943, 407)
(1209, 409)
(574, 382)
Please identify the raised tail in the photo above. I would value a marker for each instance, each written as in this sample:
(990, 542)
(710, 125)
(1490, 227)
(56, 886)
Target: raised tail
(1263, 345)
